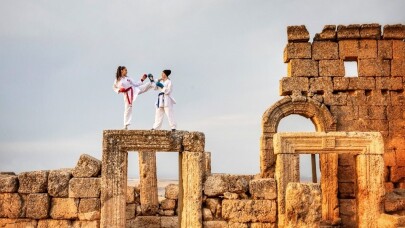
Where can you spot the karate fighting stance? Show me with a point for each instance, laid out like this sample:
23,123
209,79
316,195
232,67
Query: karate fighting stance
130,90
165,101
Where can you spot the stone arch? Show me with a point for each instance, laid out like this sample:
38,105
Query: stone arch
317,112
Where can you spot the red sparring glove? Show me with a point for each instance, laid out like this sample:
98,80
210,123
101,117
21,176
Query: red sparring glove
144,76
122,90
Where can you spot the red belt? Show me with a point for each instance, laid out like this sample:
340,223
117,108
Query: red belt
132,94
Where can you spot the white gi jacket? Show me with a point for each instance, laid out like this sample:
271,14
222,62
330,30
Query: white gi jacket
165,98
126,83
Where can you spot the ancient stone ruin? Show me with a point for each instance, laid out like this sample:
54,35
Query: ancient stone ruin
360,139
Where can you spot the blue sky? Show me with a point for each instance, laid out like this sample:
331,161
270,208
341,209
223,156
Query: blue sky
58,60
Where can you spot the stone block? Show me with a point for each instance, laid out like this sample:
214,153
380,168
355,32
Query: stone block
130,194
348,32
349,50
37,206
302,68
398,67
207,215
389,158
370,31
218,184
398,49
215,224
33,182
397,127
297,51
11,205
328,33
87,166
303,205
249,210
169,222
368,49
172,191
344,113
166,212
373,112
346,174
347,207
8,183
388,83
321,84
130,211
237,225
384,49
263,189
230,195
298,33
374,67
58,183
346,160
376,97
340,83
346,190
397,98
84,187
194,142
362,83
389,221
144,221
86,224
18,223
214,205
395,201
168,204
89,209
397,173
339,98
328,68
395,32
400,157
50,223
325,50
389,187
64,208
290,84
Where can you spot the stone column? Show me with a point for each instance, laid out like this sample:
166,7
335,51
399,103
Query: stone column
287,170
148,183
207,165
113,184
192,175
370,189
329,186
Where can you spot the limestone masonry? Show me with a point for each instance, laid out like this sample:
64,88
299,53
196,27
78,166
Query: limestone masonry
360,138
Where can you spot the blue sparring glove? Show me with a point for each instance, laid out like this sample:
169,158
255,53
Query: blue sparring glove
159,84
150,76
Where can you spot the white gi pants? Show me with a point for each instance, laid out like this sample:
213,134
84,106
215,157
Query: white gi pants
159,117
128,107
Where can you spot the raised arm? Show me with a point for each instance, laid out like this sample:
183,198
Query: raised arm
115,86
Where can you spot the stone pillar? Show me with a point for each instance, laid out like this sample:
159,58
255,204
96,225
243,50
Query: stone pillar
287,170
207,165
370,189
148,183
267,157
191,191
329,186
303,205
113,184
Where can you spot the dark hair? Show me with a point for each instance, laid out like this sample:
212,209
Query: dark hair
118,75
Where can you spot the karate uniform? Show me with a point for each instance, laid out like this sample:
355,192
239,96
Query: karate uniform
164,104
133,89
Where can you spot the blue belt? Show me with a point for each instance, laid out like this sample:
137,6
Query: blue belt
163,99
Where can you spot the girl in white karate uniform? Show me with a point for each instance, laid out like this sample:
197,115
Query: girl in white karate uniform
165,102
130,90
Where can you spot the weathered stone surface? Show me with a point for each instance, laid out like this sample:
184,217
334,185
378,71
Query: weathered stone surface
303,205
325,50
130,194
166,212
297,51
218,184
328,68
214,204
23,223
263,225
348,32
87,166
370,31
84,187
388,221
11,205
8,183
302,68
230,195
168,204
389,83
37,206
346,190
207,214
130,211
194,142
58,183
33,182
397,173
290,84
50,223
396,32
340,83
328,33
64,208
172,191
321,84
89,209
148,183
249,210
398,67
384,49
215,224
349,50
237,225
395,201
398,49
144,221
169,222
297,33
374,67
263,189
86,224
368,49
